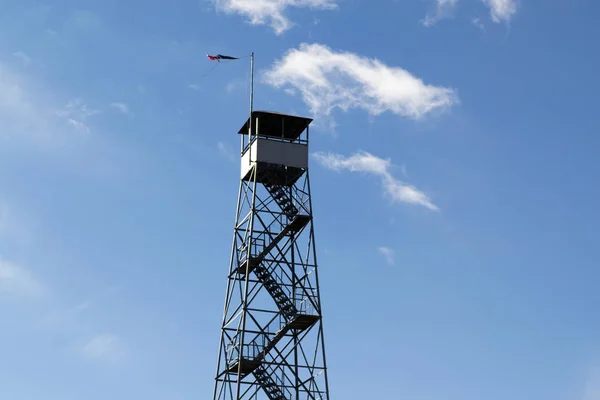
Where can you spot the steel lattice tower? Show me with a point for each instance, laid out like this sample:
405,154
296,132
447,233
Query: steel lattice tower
272,344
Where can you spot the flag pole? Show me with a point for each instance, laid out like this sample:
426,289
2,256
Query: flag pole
251,83
251,108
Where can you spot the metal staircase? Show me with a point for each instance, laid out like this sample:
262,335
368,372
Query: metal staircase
285,305
281,198
270,387
295,223
273,342
293,319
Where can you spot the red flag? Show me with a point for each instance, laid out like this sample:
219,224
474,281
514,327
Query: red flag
220,57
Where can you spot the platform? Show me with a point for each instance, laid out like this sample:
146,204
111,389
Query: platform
275,174
295,225
298,223
300,322
303,321
244,265
247,367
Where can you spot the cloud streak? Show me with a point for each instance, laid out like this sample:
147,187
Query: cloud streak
36,121
15,228
27,115
78,125
443,8
501,10
122,107
106,347
225,151
592,385
76,112
327,79
365,162
16,280
272,12
25,59
388,254
477,23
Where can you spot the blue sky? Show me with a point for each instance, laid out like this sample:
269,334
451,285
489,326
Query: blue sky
453,172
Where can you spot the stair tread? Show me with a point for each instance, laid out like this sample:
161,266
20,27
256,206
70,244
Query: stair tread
271,388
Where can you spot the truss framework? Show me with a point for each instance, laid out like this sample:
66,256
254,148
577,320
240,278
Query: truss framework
272,343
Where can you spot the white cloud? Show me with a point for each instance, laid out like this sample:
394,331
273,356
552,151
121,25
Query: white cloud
327,79
233,86
68,317
194,86
388,254
367,163
75,112
34,118
16,228
4,217
104,347
501,10
77,109
592,386
443,9
225,151
25,59
17,280
78,125
477,22
13,97
272,12
121,107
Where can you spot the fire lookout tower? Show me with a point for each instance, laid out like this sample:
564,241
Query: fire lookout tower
272,344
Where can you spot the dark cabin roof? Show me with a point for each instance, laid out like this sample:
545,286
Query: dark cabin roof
276,125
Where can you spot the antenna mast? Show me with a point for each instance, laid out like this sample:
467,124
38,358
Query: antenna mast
251,102
251,83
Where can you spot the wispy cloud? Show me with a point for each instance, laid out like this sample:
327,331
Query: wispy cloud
78,125
225,151
76,107
272,12
36,118
477,22
388,254
71,318
27,114
194,86
15,228
368,163
443,9
592,386
234,85
106,347
327,79
17,280
501,10
75,112
24,58
122,107
14,99
4,217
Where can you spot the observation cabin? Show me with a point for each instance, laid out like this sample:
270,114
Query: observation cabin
277,146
